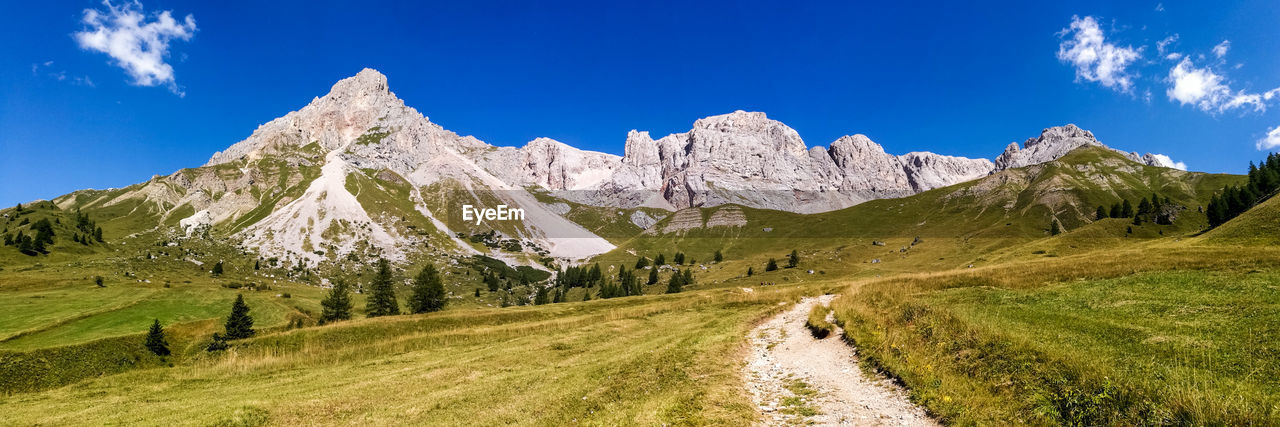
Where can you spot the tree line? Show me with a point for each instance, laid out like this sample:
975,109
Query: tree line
1233,200
1156,209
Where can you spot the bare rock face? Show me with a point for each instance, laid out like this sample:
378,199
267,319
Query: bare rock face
549,164
746,158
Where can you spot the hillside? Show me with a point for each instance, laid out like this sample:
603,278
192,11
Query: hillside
947,227
1259,225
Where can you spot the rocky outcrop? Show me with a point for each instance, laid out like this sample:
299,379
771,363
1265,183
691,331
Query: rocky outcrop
748,159
1056,142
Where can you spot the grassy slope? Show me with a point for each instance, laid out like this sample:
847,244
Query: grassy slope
1089,338
1257,226
648,360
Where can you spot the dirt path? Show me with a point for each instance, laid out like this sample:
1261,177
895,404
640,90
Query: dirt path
797,379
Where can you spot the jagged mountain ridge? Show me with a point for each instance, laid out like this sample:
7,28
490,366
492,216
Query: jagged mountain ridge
287,189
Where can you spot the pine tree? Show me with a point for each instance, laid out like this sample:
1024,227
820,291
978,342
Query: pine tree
541,296
660,260
653,276
255,264
477,292
1101,214
1116,211
1126,209
750,271
98,281
491,280
679,258
382,293
428,291
97,235
217,269
155,340
718,257
642,263
676,282
336,305
1054,228
239,323
794,259
1144,207
595,275
773,265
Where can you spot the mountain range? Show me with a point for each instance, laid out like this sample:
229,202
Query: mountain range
358,171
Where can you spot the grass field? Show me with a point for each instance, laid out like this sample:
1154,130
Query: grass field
647,360
1187,338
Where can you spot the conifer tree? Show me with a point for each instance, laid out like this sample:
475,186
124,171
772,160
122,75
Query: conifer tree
336,305
382,293
676,282
1126,209
595,275
217,269
477,292
794,259
1116,211
773,265
750,271
660,260
642,263
718,256
428,291
1101,214
1144,207
541,296
1054,228
679,258
239,323
155,340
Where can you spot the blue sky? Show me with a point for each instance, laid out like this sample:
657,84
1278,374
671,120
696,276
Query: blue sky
77,111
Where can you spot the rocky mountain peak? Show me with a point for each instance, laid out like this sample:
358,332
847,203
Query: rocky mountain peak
1052,143
367,82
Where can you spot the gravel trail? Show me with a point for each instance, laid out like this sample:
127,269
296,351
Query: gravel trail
797,379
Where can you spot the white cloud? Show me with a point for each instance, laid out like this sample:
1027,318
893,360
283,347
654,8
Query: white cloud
1164,43
136,44
1166,161
1159,7
1207,90
1221,49
1271,141
1094,59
